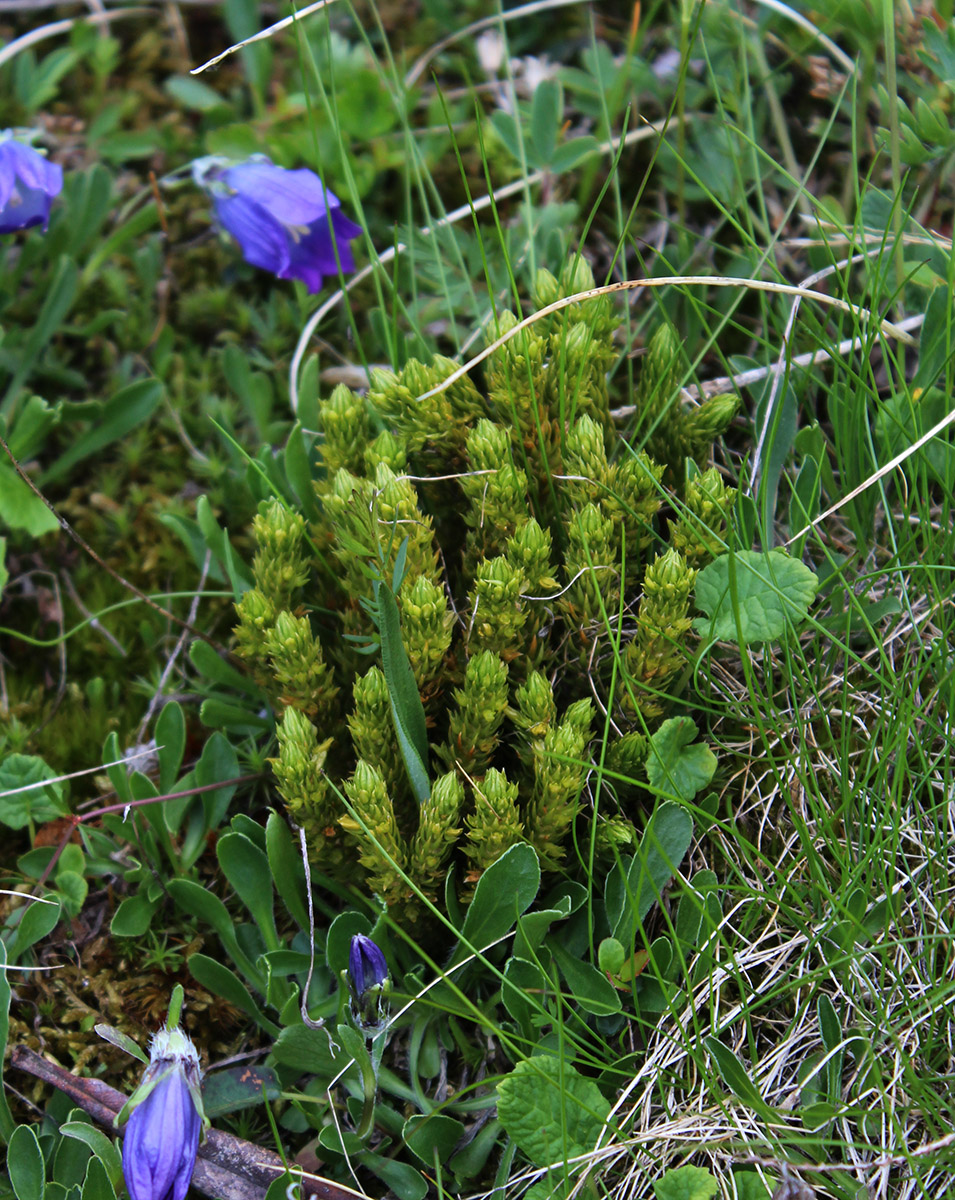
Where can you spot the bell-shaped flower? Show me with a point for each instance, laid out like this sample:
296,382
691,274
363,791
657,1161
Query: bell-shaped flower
162,1136
28,184
366,965
370,984
286,222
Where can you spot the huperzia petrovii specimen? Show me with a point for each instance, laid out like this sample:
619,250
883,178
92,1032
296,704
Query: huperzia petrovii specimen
539,573
28,184
286,222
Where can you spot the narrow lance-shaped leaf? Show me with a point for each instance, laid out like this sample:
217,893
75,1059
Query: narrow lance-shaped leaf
406,707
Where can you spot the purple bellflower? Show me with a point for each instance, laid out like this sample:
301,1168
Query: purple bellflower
366,965
162,1135
370,985
286,222
28,184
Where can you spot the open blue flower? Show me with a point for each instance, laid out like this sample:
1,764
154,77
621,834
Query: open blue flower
28,184
162,1135
286,222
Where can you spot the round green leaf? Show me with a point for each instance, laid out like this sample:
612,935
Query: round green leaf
133,917
19,807
611,956
434,1134
676,765
750,596
686,1183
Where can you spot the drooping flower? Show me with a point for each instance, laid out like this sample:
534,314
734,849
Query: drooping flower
366,965
28,184
286,222
162,1135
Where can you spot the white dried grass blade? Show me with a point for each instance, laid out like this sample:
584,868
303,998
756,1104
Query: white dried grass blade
26,896
29,787
780,368
811,358
937,428
264,34
54,28
888,328
458,214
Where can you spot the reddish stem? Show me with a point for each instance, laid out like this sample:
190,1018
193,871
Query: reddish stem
77,819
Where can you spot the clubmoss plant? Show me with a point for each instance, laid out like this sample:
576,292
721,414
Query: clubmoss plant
513,526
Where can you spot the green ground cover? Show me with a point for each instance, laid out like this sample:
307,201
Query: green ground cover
536,584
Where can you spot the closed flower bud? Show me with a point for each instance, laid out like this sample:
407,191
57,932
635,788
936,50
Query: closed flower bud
367,968
162,1135
370,987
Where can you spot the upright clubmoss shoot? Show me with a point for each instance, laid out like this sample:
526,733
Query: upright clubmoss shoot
533,561
657,651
